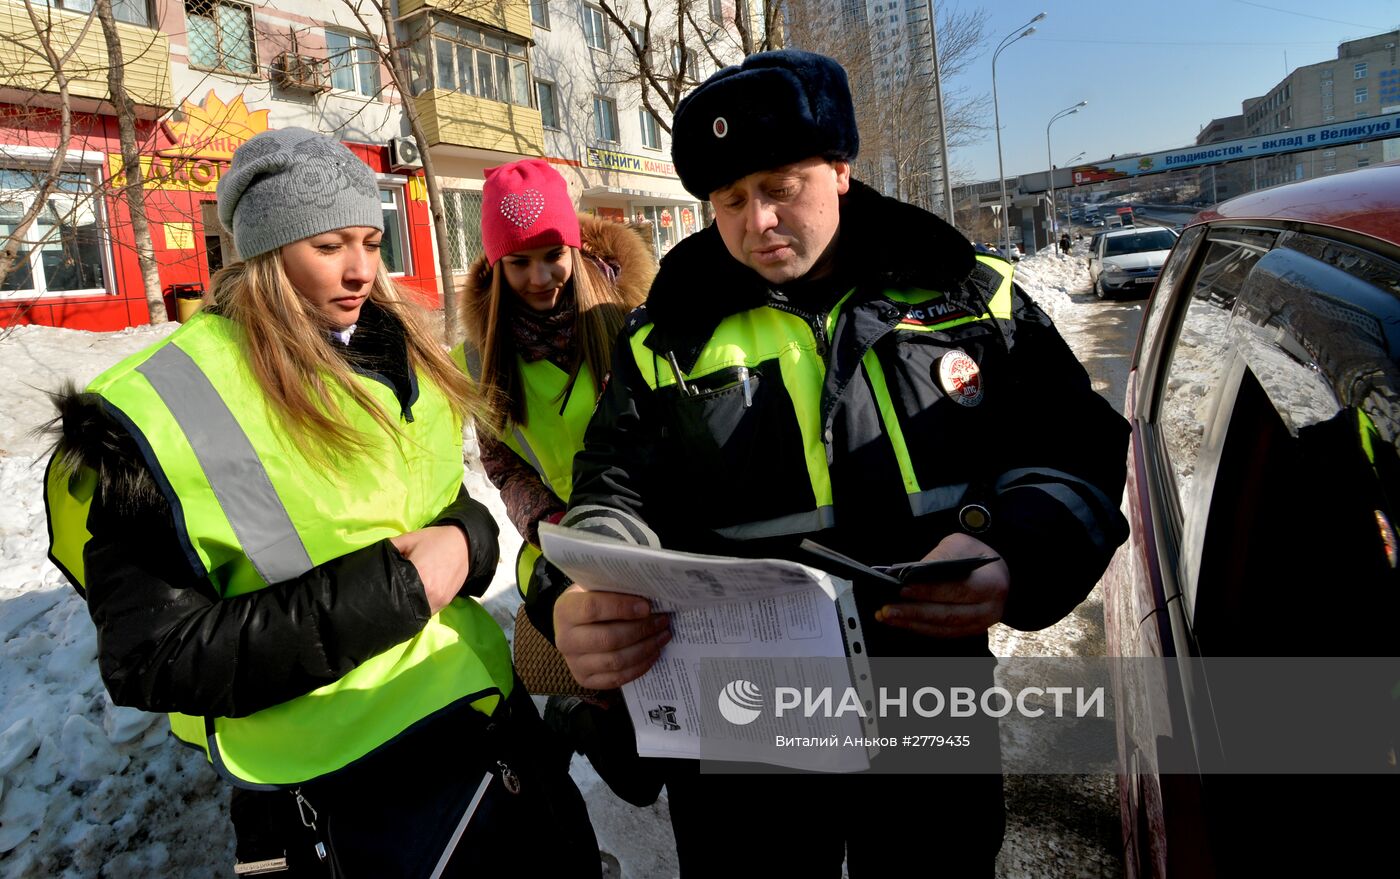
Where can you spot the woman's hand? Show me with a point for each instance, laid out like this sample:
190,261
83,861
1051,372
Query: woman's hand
440,554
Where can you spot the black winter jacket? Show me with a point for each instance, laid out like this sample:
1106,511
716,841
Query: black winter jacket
167,642
1042,451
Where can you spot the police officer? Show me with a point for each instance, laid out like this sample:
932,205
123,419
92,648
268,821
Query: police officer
826,362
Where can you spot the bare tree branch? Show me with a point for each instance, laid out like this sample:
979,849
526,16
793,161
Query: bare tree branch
134,191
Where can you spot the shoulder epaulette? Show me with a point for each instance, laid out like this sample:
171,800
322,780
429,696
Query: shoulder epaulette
636,319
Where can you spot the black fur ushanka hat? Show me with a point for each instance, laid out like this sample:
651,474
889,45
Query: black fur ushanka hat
774,109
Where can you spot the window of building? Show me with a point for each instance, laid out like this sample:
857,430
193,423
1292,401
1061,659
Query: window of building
679,55
221,36
1327,154
1362,94
605,118
539,13
391,246
717,10
475,62
1326,73
1329,166
1362,114
463,227
549,110
1361,147
62,253
651,131
1362,163
354,63
1359,71
595,32
129,11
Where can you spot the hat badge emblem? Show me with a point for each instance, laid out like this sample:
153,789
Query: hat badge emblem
523,208
721,126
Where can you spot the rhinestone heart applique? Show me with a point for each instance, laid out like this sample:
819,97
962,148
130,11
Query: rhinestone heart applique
523,208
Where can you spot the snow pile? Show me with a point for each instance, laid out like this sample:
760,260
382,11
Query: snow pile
1050,276
87,787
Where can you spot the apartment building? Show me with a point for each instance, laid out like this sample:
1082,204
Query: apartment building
1362,81
491,82
1219,182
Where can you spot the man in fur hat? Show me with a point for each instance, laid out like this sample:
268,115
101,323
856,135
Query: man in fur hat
825,362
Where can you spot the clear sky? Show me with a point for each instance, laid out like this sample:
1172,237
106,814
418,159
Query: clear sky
1153,72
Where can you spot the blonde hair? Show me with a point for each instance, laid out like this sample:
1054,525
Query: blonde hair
601,309
286,342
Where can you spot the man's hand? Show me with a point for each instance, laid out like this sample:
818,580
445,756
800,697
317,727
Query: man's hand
442,557
607,638
953,608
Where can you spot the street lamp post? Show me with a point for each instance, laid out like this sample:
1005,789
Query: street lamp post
1050,175
996,110
1067,163
942,118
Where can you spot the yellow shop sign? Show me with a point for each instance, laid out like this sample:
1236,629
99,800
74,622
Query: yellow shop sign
614,161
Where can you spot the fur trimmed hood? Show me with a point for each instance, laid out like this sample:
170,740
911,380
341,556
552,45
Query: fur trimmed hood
87,435
619,246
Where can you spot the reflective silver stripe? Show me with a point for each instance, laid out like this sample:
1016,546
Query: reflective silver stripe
1042,474
611,522
1052,482
452,843
473,358
231,464
936,500
533,459
795,523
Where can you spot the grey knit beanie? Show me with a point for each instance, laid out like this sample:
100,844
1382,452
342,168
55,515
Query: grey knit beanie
290,184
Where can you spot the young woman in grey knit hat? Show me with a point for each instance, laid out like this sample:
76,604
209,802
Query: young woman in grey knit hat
265,512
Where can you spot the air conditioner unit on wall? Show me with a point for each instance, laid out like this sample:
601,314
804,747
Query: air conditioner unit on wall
403,154
305,73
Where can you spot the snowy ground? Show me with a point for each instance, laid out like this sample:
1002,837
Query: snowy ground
89,789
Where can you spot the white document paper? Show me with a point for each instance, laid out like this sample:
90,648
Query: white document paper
725,611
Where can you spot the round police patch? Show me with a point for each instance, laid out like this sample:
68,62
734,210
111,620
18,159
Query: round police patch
960,377
721,126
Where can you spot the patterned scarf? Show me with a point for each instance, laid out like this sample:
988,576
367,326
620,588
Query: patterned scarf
548,334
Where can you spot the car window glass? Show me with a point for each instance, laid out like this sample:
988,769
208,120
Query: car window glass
1305,476
1192,380
1162,293
1139,243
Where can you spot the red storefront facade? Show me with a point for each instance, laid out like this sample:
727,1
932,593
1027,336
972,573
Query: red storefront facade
85,275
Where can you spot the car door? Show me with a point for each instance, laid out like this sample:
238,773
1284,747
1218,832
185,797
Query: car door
1095,257
1266,396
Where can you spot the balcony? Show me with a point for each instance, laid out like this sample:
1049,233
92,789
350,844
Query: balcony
511,16
455,119
145,52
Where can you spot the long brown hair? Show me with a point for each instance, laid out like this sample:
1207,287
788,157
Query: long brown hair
292,359
601,308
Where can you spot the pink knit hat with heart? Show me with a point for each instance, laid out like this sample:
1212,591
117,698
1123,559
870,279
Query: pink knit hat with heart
525,205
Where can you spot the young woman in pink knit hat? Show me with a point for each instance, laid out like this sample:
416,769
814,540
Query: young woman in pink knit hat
542,310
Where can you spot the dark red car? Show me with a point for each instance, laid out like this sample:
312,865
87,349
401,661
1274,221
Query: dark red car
1264,495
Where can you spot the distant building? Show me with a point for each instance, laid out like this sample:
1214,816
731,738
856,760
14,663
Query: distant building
1363,81
1219,182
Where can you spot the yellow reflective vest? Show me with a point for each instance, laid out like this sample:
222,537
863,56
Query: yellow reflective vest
252,511
551,434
